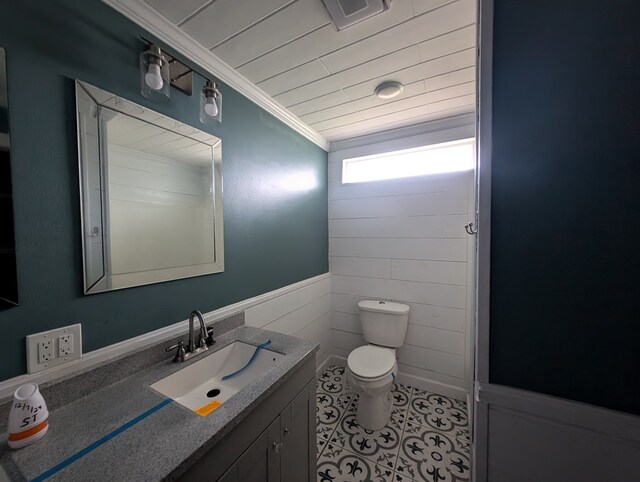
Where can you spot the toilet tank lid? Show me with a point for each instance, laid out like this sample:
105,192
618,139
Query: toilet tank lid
389,307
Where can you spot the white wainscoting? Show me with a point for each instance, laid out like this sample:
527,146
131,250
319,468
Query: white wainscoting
533,437
304,312
404,240
301,309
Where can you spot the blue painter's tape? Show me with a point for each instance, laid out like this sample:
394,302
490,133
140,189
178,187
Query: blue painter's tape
90,448
253,357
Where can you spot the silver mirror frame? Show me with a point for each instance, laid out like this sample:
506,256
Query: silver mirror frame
111,101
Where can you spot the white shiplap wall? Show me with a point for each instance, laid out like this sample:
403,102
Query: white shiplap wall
304,312
404,240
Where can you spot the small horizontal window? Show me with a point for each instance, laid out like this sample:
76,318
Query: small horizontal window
421,161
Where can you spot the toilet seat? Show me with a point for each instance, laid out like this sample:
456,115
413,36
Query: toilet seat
371,362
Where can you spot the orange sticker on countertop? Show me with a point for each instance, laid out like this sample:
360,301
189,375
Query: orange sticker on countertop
208,408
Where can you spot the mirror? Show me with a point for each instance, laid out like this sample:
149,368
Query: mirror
8,279
151,194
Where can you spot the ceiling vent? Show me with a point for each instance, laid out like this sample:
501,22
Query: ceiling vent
345,13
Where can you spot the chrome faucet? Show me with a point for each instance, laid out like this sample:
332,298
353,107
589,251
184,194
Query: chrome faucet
205,340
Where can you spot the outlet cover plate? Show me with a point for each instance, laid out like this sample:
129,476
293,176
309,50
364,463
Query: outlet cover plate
33,364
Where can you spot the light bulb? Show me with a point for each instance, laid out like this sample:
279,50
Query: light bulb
153,78
210,107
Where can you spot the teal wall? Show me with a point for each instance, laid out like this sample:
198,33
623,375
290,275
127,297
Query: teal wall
272,238
565,200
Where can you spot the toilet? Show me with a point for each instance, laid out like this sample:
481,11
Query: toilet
372,368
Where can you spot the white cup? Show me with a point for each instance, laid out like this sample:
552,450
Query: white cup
28,417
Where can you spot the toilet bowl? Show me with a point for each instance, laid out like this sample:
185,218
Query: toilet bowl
371,369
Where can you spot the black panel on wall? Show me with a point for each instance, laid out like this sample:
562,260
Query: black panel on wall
273,237
565,257
8,274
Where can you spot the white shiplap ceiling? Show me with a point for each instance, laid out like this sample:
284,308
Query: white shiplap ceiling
291,51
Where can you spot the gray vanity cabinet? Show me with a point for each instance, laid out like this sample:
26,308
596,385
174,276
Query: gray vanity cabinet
281,453
297,435
260,462
275,442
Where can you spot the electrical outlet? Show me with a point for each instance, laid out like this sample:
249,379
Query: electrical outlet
45,351
54,347
65,345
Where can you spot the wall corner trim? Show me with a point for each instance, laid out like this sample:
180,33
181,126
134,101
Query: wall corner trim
152,21
98,357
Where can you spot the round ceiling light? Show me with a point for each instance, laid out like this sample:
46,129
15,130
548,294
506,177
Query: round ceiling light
389,90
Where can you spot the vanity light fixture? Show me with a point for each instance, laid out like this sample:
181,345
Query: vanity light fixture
210,103
389,90
154,74
160,71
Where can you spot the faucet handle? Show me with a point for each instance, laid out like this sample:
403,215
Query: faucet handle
180,344
209,339
180,354
202,345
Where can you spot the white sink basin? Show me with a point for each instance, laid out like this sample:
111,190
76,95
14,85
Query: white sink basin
200,387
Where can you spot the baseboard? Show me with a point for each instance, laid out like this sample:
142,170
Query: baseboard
432,386
338,360
322,365
98,357
332,360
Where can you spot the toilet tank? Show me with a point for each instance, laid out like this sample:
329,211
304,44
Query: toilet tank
384,323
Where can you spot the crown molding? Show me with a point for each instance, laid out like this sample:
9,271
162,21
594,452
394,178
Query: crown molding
152,21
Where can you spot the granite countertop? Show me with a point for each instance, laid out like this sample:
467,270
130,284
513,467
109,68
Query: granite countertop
162,445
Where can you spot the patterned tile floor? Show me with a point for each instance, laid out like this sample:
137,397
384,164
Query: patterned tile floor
426,440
